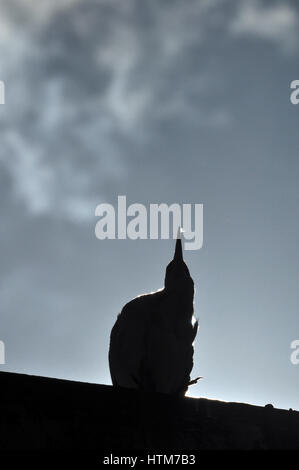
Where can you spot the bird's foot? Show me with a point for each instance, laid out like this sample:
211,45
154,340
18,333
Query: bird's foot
194,381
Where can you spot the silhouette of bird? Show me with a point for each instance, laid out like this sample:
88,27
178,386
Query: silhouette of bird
151,342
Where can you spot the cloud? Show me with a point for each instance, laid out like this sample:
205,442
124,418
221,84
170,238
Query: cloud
87,79
277,22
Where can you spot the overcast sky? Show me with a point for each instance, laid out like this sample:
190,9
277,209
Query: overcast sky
161,101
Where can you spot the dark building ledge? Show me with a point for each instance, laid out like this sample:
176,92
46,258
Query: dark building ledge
44,413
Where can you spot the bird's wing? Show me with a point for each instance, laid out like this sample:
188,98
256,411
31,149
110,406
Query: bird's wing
169,354
127,343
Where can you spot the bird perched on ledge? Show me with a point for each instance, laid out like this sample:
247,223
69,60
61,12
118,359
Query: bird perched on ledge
151,342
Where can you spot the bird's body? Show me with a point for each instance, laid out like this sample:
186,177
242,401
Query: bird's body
151,343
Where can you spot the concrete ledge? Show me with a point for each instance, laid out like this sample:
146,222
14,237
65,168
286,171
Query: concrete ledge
44,413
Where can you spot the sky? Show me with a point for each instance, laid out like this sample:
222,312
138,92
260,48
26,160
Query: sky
161,101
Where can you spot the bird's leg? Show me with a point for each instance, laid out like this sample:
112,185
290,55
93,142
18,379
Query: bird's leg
194,381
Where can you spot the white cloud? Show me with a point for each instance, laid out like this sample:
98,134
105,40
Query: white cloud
276,23
104,76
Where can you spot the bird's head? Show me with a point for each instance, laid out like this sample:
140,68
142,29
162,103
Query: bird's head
177,274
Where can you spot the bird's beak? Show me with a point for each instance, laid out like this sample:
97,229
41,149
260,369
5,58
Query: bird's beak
178,254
